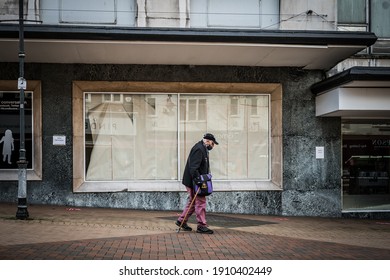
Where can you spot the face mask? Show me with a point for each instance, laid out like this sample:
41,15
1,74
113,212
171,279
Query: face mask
209,147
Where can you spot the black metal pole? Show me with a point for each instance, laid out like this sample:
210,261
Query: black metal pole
22,212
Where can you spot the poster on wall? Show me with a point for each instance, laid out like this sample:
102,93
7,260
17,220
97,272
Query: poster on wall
10,129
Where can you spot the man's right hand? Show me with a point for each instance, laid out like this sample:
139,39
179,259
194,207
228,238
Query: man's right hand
198,180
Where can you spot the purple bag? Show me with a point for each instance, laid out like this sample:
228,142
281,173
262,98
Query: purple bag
205,185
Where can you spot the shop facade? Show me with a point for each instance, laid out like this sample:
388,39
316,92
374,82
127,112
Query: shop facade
308,183
359,96
71,177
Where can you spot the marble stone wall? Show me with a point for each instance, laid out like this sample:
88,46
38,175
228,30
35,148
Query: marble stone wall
311,187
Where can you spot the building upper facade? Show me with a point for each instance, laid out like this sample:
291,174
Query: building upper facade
212,16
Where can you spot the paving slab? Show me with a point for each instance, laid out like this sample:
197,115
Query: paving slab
83,233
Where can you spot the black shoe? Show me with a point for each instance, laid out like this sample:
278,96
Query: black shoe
205,230
185,227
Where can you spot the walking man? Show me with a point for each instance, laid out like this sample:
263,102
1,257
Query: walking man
197,164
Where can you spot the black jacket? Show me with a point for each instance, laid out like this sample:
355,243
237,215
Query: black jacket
197,164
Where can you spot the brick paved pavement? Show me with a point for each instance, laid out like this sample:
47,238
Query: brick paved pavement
62,233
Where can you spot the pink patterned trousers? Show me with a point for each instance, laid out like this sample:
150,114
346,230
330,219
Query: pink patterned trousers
199,207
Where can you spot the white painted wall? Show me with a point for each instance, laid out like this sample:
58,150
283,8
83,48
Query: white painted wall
9,10
353,102
294,14
167,13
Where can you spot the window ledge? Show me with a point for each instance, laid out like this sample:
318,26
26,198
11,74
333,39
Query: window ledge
13,175
173,186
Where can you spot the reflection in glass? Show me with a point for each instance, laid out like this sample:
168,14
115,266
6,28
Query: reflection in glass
366,166
10,129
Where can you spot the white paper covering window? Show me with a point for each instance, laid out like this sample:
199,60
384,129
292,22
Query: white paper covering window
138,136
